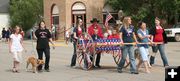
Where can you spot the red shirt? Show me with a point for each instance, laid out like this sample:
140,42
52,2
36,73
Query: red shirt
159,35
91,30
116,36
79,32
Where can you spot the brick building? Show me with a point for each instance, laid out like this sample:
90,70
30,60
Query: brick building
4,14
63,13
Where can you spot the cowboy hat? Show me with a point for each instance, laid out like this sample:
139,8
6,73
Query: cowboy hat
94,20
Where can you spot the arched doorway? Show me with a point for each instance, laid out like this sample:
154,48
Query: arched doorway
79,11
55,21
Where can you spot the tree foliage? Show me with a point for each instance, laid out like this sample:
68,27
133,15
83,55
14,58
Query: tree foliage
25,13
146,10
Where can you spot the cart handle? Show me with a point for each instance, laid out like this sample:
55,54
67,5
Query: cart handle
134,43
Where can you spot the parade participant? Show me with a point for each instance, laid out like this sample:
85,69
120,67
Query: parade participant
16,48
115,34
127,35
143,35
159,35
95,25
43,36
77,32
91,32
98,57
107,33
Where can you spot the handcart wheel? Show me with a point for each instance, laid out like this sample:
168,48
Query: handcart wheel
117,56
84,60
84,56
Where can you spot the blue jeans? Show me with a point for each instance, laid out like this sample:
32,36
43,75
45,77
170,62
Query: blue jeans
161,48
73,59
128,50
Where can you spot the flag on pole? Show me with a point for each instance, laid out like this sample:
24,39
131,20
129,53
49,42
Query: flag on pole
108,17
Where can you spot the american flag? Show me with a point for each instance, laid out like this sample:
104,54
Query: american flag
108,17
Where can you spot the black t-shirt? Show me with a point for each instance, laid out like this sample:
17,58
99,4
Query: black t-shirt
43,36
127,34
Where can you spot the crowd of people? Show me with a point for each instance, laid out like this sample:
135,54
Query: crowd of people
6,34
155,38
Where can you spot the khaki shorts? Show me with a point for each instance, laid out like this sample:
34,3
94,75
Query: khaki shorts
17,56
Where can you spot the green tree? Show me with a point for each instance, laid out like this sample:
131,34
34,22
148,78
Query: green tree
25,13
147,10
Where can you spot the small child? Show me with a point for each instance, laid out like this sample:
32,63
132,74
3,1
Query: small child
16,48
115,34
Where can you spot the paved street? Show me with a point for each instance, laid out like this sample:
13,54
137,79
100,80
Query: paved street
61,71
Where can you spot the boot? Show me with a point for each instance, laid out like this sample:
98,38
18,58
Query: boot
152,58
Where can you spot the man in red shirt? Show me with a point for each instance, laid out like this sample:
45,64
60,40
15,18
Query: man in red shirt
96,30
95,25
